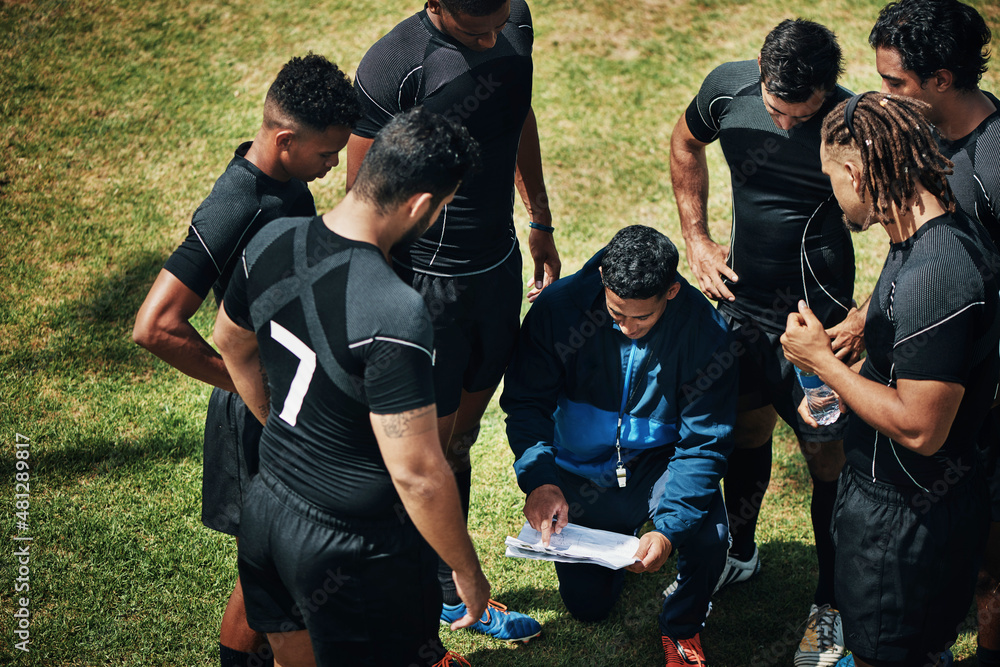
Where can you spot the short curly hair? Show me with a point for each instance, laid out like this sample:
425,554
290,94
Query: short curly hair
639,263
314,92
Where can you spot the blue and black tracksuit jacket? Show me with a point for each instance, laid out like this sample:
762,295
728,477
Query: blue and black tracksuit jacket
576,382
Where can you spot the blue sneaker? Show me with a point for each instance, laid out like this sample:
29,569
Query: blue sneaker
846,661
496,621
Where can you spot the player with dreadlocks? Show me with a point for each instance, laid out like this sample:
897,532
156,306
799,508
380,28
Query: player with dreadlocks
937,51
912,510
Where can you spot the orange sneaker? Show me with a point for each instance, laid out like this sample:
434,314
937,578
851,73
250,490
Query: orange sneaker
451,659
683,652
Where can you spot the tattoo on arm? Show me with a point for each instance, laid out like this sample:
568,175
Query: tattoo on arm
265,408
402,424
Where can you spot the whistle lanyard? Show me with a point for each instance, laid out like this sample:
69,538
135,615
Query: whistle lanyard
620,469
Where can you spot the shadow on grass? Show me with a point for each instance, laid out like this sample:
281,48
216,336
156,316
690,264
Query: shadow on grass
92,333
99,459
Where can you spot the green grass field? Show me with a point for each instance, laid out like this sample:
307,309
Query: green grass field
116,116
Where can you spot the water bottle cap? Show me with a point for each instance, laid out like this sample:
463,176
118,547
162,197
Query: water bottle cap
808,380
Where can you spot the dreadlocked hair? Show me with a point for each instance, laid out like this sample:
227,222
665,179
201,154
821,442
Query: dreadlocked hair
898,150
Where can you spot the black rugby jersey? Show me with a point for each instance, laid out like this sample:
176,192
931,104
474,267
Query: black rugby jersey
490,93
933,315
788,240
340,336
976,179
242,201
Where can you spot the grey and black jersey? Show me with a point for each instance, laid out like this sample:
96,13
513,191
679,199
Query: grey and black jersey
340,336
487,91
933,315
243,200
976,179
788,239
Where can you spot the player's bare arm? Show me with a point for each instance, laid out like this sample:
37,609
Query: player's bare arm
242,356
530,182
412,452
916,414
163,327
689,177
357,148
408,423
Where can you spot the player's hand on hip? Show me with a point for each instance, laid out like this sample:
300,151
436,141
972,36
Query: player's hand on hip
707,260
547,511
474,590
547,266
654,550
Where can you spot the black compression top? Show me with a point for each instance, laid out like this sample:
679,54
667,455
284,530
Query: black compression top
933,315
242,201
976,180
490,93
341,336
788,239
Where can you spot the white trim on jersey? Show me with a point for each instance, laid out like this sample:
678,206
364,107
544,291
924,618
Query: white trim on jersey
237,245
986,195
892,445
804,260
386,339
710,121
460,275
207,251
399,93
444,228
362,87
937,324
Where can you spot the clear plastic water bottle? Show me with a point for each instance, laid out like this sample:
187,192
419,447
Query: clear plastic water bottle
824,405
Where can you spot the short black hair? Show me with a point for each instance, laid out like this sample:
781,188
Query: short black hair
798,58
935,34
417,151
312,91
639,263
472,7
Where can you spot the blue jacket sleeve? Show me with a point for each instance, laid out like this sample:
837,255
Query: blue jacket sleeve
707,415
532,385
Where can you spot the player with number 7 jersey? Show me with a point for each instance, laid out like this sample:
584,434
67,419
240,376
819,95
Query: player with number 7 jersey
334,353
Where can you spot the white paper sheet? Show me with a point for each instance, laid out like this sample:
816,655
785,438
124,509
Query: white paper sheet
576,544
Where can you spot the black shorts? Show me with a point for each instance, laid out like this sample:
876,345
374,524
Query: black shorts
476,320
767,378
367,591
231,458
906,564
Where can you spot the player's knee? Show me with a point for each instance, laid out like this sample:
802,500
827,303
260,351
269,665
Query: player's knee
586,607
753,429
987,583
825,459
